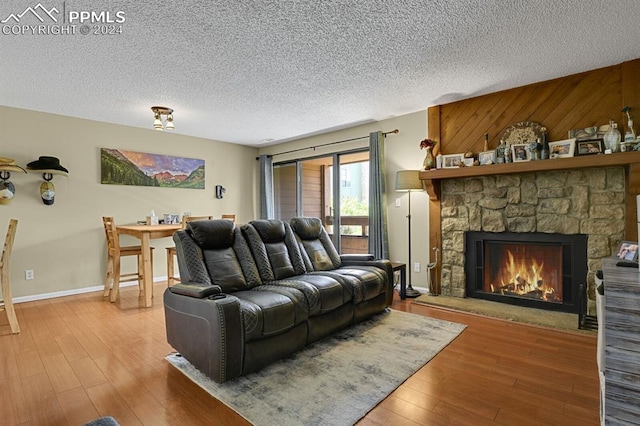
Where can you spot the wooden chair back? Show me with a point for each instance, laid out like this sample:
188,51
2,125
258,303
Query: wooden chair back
113,242
186,219
5,260
231,217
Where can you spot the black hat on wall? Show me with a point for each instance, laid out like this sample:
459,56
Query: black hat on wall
48,164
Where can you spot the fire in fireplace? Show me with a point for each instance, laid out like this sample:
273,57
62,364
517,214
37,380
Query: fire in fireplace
524,270
528,269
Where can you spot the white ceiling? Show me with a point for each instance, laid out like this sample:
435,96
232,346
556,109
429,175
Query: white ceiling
248,71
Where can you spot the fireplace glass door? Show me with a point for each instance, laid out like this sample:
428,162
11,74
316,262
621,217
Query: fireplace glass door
526,270
531,269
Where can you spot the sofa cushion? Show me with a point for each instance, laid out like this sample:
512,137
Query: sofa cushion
371,280
318,252
270,231
225,270
349,282
212,234
266,312
307,228
275,250
208,258
322,293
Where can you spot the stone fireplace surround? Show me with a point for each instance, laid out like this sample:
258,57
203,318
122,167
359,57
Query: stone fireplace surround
588,201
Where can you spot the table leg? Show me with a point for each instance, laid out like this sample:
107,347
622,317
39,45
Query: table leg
403,283
147,279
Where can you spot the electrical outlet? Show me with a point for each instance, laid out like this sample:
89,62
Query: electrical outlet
28,274
416,267
397,202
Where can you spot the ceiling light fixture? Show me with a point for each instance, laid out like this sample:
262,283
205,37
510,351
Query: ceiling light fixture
158,112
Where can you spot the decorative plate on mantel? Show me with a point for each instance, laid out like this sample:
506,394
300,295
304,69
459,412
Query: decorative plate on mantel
523,132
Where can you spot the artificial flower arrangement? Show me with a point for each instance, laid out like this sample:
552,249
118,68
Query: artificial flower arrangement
427,143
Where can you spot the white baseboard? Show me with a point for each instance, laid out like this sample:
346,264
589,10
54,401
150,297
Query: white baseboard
75,291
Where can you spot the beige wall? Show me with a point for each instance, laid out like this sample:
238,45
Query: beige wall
64,243
402,153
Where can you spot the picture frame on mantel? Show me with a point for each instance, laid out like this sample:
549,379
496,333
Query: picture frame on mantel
589,146
487,157
452,161
520,152
562,149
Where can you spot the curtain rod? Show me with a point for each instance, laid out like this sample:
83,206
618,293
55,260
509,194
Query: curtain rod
395,131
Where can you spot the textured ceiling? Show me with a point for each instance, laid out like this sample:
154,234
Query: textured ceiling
251,71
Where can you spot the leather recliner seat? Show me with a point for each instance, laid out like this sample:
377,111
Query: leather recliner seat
253,295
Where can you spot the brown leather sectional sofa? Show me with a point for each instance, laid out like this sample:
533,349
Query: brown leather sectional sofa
252,295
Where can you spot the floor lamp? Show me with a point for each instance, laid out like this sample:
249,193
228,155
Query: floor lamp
409,181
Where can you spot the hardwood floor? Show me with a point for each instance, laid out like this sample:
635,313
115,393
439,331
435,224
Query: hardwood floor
80,357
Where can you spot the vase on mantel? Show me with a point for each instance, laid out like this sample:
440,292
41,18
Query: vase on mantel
429,160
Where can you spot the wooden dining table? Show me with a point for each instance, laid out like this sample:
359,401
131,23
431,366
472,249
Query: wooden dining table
146,233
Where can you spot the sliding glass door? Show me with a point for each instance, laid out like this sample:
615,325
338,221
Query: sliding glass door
333,188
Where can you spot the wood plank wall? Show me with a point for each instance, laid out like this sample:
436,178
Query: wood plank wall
312,189
577,101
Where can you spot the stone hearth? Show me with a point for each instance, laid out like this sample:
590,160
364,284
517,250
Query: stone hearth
585,201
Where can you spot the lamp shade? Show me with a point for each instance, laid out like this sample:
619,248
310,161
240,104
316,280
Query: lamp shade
409,180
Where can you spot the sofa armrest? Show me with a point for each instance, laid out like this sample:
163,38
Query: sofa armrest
197,290
355,257
207,332
383,264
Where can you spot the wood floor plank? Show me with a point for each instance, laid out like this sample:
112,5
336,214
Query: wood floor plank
77,406
44,408
71,347
82,356
108,402
88,372
13,404
60,373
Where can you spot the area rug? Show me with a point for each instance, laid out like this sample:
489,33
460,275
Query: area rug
337,380
541,317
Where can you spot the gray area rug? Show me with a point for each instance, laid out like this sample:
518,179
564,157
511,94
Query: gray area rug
337,380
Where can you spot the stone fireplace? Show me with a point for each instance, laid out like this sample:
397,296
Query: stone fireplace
588,201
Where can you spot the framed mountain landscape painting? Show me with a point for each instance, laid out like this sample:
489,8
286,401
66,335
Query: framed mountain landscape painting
120,167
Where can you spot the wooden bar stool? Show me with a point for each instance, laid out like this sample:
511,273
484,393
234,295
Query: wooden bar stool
172,278
114,253
7,301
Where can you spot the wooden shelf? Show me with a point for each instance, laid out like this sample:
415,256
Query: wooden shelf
432,178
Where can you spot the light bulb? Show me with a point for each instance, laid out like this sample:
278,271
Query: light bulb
157,123
170,125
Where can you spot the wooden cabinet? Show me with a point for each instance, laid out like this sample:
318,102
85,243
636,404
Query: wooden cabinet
622,344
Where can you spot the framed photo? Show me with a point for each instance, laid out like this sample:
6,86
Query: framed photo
519,152
589,146
452,161
627,250
487,157
582,134
562,149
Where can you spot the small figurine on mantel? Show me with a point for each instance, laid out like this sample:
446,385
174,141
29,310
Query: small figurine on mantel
500,152
486,142
507,153
544,150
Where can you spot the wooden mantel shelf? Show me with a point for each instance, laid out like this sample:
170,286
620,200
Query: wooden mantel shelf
432,178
